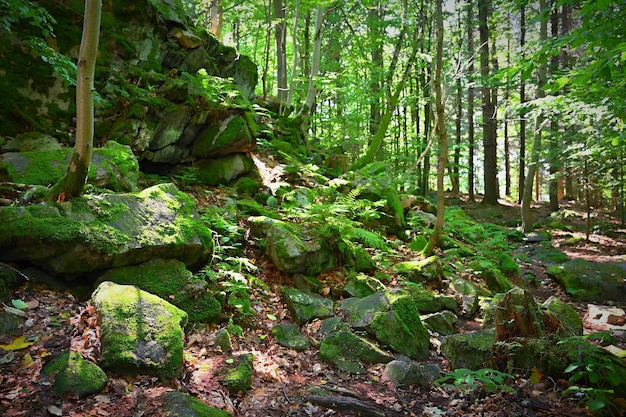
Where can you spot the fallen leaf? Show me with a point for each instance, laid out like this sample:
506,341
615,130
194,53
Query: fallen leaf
8,358
32,304
54,410
19,304
15,311
27,361
17,344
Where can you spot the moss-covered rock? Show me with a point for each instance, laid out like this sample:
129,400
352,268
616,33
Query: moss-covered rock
289,336
74,375
247,186
420,271
361,285
441,322
286,246
547,255
470,350
231,135
305,306
113,167
591,281
180,404
570,321
96,232
428,302
237,376
402,372
140,332
170,280
351,353
221,171
392,318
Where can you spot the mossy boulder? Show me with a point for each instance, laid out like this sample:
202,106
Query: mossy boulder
289,336
113,167
392,318
221,171
180,404
429,302
441,322
547,255
293,250
350,352
402,372
230,135
75,375
591,281
471,350
140,332
570,321
170,280
361,285
421,271
237,377
518,315
97,232
305,306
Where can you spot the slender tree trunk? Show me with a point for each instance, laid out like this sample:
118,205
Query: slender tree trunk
553,181
488,109
507,145
216,19
280,33
73,182
522,98
294,66
375,19
443,142
266,66
470,103
527,218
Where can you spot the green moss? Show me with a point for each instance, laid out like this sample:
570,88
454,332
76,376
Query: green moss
179,404
130,341
170,280
428,302
238,378
469,350
247,186
217,137
75,375
350,352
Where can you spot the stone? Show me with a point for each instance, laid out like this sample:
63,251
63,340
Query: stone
170,280
518,315
289,336
591,281
403,372
221,171
180,404
140,332
305,306
441,322
428,270
301,197
547,255
361,285
292,253
10,325
306,283
75,376
428,302
237,376
97,232
350,352
113,167
231,135
392,318
570,321
31,141
471,350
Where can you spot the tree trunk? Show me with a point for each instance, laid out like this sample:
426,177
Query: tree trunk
376,44
522,98
443,141
294,66
216,19
470,104
73,182
527,218
555,169
488,109
280,34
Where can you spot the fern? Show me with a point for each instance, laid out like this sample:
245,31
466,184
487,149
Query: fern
370,238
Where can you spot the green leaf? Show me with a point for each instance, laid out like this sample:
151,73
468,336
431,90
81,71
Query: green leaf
272,317
595,404
229,361
19,304
571,368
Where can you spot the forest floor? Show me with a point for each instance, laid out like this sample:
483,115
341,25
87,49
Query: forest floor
283,380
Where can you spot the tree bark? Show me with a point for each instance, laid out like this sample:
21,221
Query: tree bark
470,105
443,140
73,182
522,98
527,218
281,51
488,110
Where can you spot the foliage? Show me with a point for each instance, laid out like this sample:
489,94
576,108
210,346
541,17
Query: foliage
600,372
467,380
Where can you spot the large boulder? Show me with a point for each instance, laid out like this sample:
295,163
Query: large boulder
140,332
591,281
170,280
224,169
392,318
97,232
471,350
180,404
305,306
113,167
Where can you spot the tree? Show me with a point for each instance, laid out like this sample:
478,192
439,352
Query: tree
488,109
72,183
527,218
470,103
280,34
443,141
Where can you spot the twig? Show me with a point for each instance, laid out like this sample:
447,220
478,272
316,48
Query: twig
345,404
285,393
17,271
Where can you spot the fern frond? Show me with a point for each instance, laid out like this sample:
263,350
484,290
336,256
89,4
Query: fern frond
371,239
